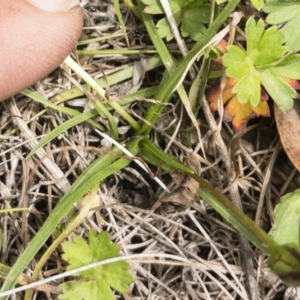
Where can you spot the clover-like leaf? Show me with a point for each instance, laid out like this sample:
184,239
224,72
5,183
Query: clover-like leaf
96,283
235,62
286,228
241,67
258,4
153,7
164,29
190,15
281,92
266,62
286,11
264,47
252,93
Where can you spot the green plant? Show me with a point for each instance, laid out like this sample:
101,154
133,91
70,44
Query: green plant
95,283
104,166
267,64
268,61
287,12
189,15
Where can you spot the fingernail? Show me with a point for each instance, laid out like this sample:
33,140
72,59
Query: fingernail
55,5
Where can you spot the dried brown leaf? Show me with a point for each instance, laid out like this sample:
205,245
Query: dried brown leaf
288,125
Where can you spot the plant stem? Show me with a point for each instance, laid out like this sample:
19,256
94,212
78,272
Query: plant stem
234,216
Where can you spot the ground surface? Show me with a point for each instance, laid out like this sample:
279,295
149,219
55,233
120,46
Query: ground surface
210,260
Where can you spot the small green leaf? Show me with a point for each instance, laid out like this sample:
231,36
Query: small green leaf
286,11
291,29
254,32
189,15
286,219
281,92
235,62
258,4
153,7
176,5
281,11
187,27
270,47
264,47
192,17
164,30
266,62
95,283
248,89
288,68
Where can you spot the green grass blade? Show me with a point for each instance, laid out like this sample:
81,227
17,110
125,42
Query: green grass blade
62,128
81,117
149,152
133,8
170,65
118,52
120,19
241,222
69,111
98,105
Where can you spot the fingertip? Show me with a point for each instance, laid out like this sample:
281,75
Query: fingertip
34,41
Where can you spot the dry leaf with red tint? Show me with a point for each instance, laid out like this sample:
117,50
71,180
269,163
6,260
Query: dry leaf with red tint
213,94
288,125
262,109
238,113
221,48
293,83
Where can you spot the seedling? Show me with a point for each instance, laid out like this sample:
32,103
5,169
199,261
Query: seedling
266,65
95,283
190,15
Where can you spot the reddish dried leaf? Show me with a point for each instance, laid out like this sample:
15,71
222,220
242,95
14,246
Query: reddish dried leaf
222,46
288,125
214,94
235,111
262,109
239,113
293,83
